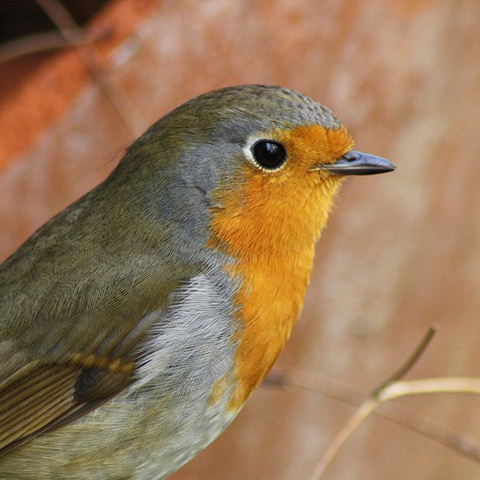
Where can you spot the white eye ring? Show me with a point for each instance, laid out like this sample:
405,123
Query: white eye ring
268,155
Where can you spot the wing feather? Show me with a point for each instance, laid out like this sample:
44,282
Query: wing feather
46,393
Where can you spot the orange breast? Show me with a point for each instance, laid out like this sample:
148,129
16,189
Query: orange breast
270,225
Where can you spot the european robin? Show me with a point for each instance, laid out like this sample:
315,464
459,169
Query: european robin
135,323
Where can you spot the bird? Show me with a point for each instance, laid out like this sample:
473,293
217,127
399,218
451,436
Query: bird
135,323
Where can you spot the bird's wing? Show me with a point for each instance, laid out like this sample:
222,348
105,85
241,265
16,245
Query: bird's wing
43,397
52,368
72,320
53,375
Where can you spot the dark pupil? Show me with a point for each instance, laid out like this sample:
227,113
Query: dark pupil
269,154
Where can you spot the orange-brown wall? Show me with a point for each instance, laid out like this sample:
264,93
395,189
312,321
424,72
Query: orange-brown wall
401,250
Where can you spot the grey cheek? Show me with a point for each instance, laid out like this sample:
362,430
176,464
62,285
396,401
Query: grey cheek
202,169
209,166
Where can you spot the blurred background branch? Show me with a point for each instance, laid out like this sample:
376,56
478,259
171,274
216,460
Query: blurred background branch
394,388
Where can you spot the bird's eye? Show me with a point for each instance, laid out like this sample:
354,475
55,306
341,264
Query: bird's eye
269,155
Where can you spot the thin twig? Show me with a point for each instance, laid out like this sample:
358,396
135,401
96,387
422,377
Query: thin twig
411,361
43,42
460,443
67,26
364,411
430,386
40,42
393,388
367,408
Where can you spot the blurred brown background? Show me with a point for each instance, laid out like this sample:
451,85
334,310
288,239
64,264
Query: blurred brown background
401,251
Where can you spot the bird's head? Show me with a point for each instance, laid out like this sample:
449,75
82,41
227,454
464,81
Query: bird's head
268,162
257,166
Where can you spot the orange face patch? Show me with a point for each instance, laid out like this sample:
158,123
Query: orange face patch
270,224
314,144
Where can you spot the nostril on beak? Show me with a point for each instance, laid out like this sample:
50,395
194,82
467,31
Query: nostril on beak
350,156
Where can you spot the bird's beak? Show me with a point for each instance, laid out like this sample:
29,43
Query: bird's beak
357,163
